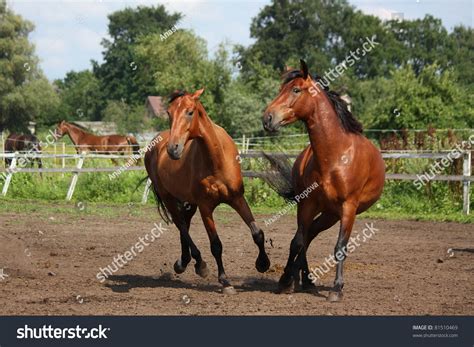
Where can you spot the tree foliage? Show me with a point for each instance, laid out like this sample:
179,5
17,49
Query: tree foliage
25,94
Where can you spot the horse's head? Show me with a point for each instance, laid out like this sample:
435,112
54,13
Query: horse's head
292,103
62,129
183,112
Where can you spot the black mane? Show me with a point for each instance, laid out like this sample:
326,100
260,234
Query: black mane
348,121
176,94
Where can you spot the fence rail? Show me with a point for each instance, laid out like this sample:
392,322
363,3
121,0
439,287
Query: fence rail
6,174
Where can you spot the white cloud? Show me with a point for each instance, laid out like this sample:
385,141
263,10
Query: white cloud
381,12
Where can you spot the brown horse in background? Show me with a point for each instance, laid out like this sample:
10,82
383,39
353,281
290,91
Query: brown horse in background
347,167
196,165
23,143
107,144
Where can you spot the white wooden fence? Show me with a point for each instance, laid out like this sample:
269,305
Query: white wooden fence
6,174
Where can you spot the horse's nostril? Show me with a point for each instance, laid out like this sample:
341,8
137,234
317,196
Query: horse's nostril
270,117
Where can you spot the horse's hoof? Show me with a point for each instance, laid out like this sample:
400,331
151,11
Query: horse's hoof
286,285
263,263
178,268
334,296
201,269
307,285
229,290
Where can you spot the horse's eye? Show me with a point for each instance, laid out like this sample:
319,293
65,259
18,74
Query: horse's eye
190,113
296,90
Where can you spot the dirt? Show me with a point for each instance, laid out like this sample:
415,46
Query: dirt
50,264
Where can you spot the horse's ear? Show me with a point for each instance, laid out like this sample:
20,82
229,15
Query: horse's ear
287,68
197,93
304,68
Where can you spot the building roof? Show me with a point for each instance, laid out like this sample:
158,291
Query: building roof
101,128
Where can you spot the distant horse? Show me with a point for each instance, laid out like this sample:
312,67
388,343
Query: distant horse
347,167
23,143
108,144
196,165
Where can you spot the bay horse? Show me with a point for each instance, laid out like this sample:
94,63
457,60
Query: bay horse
347,167
23,143
196,166
86,142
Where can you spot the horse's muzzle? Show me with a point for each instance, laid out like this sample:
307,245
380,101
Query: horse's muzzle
175,150
268,122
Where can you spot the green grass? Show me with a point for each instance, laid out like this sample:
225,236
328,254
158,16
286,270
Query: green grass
101,196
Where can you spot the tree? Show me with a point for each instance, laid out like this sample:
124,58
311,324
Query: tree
462,55
117,74
410,101
128,118
81,96
181,62
25,94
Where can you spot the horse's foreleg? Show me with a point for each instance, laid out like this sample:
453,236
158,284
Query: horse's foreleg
340,251
216,247
240,205
182,220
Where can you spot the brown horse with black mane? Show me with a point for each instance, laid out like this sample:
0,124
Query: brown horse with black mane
347,167
23,143
107,144
196,165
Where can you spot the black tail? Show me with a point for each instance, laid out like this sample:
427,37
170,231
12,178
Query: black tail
161,206
134,144
162,210
280,177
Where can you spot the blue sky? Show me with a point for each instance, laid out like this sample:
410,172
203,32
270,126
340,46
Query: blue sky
68,33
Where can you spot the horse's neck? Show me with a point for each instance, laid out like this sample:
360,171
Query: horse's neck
211,141
75,134
327,137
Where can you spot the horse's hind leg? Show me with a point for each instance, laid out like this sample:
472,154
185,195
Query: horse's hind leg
240,205
306,213
216,247
321,223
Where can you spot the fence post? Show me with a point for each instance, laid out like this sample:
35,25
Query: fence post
63,160
8,179
75,176
466,185
146,191
3,144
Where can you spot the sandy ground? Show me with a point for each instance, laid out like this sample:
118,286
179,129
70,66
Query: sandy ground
50,264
